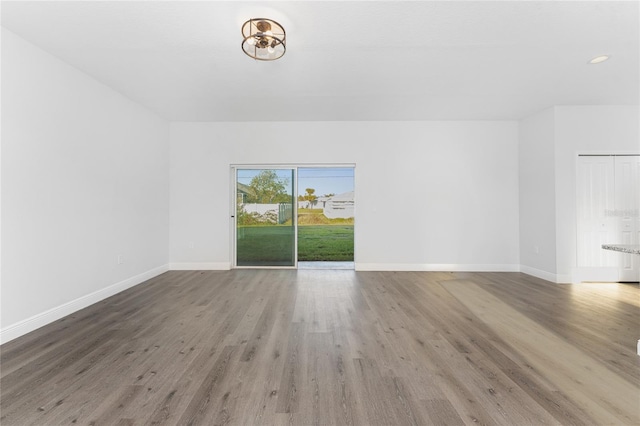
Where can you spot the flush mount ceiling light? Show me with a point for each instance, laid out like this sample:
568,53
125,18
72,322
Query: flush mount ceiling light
263,39
599,59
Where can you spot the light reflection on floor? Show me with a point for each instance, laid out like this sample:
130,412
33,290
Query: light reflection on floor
326,265
585,290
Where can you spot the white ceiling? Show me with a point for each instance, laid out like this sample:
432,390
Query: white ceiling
362,60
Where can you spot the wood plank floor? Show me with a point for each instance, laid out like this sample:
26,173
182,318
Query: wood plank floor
326,347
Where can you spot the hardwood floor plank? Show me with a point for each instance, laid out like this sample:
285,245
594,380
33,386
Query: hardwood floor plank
579,313
114,408
405,405
370,386
322,347
502,402
33,376
206,399
441,412
457,392
605,396
292,376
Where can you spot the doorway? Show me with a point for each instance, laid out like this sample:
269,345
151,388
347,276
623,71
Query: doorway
293,216
326,217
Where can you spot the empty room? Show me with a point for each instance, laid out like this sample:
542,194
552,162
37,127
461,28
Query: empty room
320,213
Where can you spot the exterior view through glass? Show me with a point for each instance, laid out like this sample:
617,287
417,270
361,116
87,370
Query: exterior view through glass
265,225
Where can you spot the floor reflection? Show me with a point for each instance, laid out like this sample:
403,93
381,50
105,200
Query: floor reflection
326,265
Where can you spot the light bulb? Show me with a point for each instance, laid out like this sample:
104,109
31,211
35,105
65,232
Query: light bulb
599,59
251,41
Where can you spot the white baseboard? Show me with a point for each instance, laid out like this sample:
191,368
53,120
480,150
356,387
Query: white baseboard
563,279
538,273
547,276
436,267
204,266
25,326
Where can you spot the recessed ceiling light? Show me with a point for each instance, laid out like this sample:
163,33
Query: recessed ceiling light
599,59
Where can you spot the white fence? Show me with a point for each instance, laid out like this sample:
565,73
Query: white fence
259,208
282,210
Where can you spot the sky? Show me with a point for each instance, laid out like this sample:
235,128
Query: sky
325,180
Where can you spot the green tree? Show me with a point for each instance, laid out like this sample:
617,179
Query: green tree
268,188
310,196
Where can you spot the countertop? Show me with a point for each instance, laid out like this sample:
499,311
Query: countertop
623,248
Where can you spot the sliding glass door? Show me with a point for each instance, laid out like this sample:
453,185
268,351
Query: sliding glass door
265,217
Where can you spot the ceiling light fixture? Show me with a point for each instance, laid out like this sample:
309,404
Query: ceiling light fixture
263,39
599,59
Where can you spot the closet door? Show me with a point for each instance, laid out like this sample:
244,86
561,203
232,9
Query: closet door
597,224
627,202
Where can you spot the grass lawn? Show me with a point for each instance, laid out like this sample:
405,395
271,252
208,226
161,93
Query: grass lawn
328,243
272,245
317,217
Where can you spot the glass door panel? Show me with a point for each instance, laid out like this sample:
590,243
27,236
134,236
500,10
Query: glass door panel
265,217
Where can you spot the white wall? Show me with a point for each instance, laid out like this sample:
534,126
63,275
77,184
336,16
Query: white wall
538,195
84,179
585,130
550,143
429,195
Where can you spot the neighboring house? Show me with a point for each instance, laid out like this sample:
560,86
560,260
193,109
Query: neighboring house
318,203
340,206
243,191
306,204
321,202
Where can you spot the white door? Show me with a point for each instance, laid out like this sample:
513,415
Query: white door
627,202
608,200
596,224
